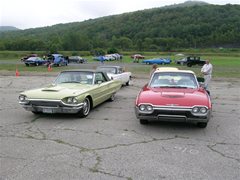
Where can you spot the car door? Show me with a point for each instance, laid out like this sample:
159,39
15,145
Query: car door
101,91
123,75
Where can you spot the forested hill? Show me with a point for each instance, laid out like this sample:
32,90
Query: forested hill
151,29
8,28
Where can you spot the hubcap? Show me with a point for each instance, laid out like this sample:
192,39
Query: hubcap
86,107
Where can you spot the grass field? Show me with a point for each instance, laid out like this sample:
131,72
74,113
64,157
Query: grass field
225,64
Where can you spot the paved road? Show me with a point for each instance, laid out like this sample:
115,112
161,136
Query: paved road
111,144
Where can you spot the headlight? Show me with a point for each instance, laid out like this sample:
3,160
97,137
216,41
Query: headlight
195,110
23,99
199,110
147,108
203,110
142,107
72,100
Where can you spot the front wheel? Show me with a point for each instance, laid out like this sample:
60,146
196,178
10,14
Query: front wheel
86,108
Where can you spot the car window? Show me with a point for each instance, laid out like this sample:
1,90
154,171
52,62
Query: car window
173,79
75,77
120,70
99,78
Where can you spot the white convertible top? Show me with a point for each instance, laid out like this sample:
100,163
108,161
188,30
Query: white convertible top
172,69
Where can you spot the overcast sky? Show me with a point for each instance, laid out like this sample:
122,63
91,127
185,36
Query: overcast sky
26,14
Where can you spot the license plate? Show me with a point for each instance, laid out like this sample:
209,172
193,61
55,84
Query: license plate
47,111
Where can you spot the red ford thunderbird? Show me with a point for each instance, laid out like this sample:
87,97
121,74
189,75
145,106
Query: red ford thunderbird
173,95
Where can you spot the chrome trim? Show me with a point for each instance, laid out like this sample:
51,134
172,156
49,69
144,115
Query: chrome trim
73,105
70,110
145,112
47,100
52,100
174,108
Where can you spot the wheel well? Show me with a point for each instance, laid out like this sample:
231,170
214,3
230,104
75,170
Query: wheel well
91,101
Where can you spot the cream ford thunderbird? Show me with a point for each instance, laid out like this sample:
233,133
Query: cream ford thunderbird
73,91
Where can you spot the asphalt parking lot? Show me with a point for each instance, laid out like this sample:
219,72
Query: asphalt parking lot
111,144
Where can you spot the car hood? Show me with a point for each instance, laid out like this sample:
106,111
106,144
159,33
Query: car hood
173,97
58,92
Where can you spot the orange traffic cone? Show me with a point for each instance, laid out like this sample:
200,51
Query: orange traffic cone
17,73
49,67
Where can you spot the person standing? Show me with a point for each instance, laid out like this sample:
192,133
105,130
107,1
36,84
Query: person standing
154,67
207,73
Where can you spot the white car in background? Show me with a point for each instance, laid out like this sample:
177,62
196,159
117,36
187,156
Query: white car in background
109,57
117,73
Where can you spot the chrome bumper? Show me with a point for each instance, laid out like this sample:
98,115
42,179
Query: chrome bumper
172,118
51,110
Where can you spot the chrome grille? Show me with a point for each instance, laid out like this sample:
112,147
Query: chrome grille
45,103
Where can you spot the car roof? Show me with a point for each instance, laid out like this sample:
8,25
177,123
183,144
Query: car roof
172,69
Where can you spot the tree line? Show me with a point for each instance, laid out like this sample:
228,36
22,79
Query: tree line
157,29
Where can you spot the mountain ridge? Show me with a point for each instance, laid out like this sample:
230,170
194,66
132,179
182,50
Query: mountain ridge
151,29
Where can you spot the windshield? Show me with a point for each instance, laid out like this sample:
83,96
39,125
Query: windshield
173,80
75,77
111,70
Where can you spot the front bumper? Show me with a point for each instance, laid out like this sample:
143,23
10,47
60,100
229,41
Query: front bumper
172,115
50,107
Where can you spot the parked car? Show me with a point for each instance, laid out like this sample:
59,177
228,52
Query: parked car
100,58
136,57
116,73
157,61
173,95
36,61
190,61
57,60
76,59
28,56
181,61
73,92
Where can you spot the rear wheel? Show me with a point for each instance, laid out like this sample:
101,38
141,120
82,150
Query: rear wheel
202,125
86,108
143,121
